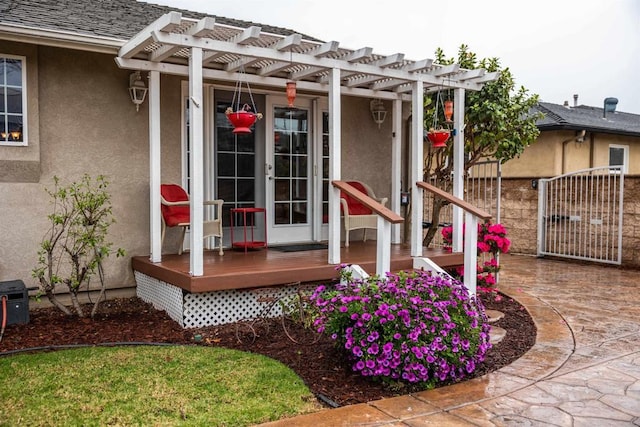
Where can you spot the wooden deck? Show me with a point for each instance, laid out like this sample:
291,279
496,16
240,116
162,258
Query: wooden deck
270,267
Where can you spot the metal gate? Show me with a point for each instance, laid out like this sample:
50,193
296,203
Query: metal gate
482,188
580,215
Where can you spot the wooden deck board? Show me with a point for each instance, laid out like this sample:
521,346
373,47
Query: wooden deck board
270,267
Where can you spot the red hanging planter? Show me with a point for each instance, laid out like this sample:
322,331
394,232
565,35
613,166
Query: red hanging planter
243,119
438,137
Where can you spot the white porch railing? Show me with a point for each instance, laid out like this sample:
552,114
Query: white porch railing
472,214
386,217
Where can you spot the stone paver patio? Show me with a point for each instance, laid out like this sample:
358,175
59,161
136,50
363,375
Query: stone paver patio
584,369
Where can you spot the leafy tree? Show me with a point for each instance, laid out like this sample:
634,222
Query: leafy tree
499,125
75,245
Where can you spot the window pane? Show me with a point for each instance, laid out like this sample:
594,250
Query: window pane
283,189
2,69
300,143
299,213
2,97
299,189
246,190
227,190
3,129
246,165
282,165
299,166
226,164
282,142
14,100
14,126
616,156
226,140
246,143
282,214
14,72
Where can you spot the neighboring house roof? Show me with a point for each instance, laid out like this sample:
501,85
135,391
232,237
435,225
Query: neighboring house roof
584,117
115,19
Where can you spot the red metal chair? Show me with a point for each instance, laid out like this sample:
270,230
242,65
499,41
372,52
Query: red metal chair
176,213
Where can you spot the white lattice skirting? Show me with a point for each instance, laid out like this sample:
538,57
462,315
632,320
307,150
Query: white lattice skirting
213,308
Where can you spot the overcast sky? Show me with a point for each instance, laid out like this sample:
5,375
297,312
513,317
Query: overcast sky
555,48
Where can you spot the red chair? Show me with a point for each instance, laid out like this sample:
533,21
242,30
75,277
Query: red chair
176,213
356,215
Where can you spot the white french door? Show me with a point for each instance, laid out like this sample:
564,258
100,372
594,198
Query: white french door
289,179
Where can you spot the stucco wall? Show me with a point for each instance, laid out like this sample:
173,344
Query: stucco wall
557,152
87,124
520,214
366,150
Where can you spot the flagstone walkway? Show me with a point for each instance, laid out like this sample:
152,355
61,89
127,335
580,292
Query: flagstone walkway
584,369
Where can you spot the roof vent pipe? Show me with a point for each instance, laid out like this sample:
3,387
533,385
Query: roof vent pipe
609,106
575,99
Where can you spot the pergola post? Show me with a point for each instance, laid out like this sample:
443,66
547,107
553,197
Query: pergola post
458,168
417,136
396,165
155,223
197,181
334,165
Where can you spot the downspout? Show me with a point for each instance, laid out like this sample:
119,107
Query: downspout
592,140
405,178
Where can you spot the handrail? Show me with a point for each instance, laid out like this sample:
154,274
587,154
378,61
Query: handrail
385,217
482,214
372,204
470,242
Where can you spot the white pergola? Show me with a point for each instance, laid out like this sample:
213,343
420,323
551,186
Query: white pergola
202,49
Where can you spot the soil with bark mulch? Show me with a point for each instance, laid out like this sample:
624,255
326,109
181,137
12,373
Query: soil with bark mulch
314,359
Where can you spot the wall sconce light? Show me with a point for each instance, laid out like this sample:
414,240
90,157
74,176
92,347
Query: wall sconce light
137,89
378,111
16,134
3,136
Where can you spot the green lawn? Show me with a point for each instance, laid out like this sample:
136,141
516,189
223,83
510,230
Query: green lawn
148,386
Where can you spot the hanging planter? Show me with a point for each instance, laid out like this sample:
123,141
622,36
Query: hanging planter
437,134
438,137
243,119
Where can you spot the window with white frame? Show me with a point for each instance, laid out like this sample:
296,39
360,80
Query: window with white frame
13,100
619,156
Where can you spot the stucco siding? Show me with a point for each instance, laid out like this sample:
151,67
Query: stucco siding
88,124
557,152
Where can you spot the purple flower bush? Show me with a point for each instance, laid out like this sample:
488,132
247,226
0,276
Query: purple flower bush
412,327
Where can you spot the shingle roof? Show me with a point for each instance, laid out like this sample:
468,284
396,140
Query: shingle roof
588,118
119,19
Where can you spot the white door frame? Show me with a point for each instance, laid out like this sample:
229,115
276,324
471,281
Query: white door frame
291,233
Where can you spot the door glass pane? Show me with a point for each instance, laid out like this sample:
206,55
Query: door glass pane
282,213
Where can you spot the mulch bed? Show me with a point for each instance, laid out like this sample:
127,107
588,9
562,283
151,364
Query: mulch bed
315,360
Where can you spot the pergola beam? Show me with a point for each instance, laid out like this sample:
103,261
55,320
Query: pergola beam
141,40
201,28
302,59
